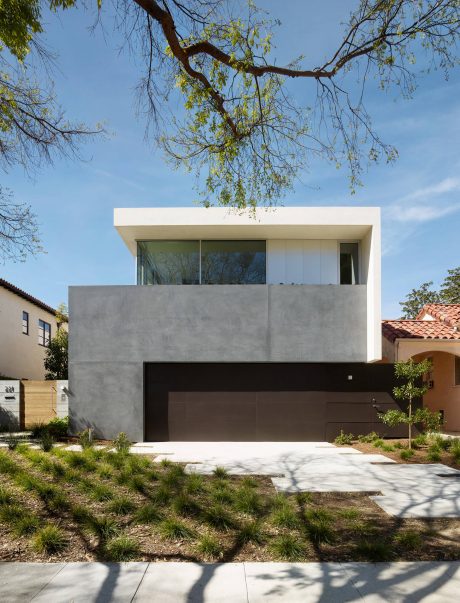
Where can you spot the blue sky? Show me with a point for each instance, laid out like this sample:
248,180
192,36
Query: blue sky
74,200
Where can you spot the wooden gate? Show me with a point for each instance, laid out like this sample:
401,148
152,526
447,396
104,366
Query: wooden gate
38,402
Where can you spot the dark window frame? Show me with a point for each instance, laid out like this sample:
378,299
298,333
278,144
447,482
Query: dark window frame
348,242
42,339
457,371
25,322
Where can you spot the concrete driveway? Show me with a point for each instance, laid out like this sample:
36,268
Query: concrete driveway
412,490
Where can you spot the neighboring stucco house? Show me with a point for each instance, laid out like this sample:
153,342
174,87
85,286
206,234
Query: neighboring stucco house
433,334
27,325
239,328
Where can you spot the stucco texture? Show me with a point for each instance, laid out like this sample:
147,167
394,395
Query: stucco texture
115,330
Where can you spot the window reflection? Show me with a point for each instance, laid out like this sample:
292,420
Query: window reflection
232,262
168,262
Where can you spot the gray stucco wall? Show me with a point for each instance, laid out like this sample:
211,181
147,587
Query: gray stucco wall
114,330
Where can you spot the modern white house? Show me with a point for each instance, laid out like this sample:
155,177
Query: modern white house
240,326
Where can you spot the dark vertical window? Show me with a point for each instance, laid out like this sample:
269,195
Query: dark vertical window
25,323
168,262
233,262
349,263
457,370
44,333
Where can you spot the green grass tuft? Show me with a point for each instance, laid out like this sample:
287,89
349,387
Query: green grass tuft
406,454
217,516
209,547
101,493
434,454
251,532
285,517
149,513
409,540
103,527
220,472
194,483
50,539
121,506
5,496
288,547
375,550
26,525
121,548
183,504
247,500
174,529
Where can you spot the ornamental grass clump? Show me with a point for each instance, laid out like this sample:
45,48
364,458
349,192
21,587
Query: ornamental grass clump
218,517
122,444
209,547
374,550
288,547
285,517
121,548
121,506
175,529
50,539
251,532
148,514
247,500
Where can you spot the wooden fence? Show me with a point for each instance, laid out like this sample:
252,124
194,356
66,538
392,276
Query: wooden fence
38,402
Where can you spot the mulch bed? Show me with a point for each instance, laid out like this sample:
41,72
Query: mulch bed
328,526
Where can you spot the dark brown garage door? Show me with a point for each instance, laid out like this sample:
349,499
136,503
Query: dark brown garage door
263,402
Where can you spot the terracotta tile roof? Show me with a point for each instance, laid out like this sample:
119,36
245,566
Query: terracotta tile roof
24,295
418,329
448,313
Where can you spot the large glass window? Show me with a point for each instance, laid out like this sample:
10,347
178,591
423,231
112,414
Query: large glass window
206,262
168,262
349,263
232,262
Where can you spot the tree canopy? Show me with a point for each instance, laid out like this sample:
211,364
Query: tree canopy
241,130
449,293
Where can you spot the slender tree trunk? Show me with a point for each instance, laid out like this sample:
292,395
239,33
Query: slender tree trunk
410,422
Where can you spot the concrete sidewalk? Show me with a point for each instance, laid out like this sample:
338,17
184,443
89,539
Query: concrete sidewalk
230,582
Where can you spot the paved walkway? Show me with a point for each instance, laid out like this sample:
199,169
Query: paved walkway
403,582
412,490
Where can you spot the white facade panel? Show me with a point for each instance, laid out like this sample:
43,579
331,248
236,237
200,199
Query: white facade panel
329,262
276,261
312,262
294,262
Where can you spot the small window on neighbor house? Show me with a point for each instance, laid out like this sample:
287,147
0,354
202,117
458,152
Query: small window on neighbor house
25,323
44,333
349,263
457,370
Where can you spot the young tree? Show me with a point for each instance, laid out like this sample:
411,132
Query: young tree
450,289
243,130
411,372
417,298
56,356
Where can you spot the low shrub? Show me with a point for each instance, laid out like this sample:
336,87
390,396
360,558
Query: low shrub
50,539
378,443
174,529
58,427
440,442
85,439
455,450
368,438
209,547
37,429
121,548
406,454
46,441
344,439
387,448
420,441
434,454
121,443
288,547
